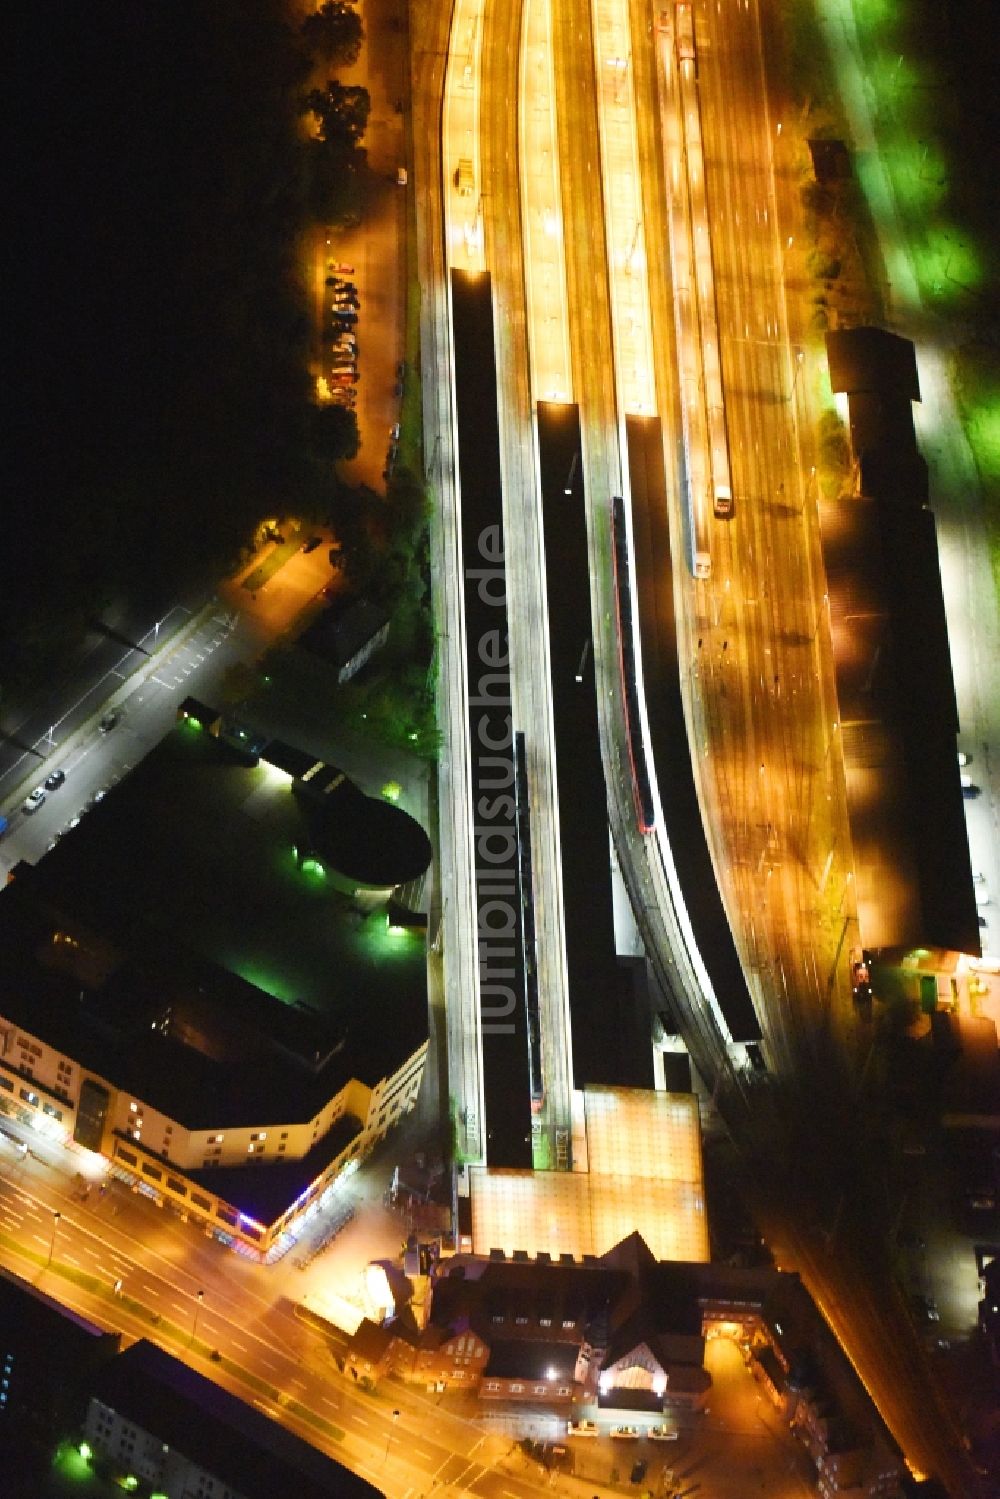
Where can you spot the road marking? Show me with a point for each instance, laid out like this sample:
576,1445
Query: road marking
72,1259
39,1238
241,1346
360,1421
179,1307
325,1401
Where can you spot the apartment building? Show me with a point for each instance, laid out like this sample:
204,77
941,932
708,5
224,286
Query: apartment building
232,1041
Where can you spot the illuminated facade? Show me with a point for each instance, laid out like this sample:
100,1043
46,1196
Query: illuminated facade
174,1163
225,1018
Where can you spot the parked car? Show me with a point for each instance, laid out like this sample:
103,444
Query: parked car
926,1308
625,1433
34,799
339,267
969,789
663,1433
312,543
54,780
581,1428
110,721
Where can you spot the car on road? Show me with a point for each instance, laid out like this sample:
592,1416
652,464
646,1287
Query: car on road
969,788
34,799
312,543
963,758
581,1428
663,1433
54,780
394,432
110,721
723,505
339,268
861,985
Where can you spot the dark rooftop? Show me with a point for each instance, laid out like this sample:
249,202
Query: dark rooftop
866,359
224,1435
343,630
895,682
519,1358
264,1192
195,941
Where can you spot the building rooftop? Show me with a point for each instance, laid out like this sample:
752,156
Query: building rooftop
645,1174
895,682
344,629
172,943
520,1359
225,1436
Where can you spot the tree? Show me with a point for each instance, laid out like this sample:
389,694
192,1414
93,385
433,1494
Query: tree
334,32
333,433
335,182
342,110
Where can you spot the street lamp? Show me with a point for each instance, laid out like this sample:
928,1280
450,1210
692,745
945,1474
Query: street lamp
799,358
199,1302
56,1215
388,1440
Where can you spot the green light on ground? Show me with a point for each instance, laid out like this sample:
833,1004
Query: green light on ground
875,15
392,791
85,1451
948,266
396,931
71,1465
412,737
983,422
130,1482
918,175
313,867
